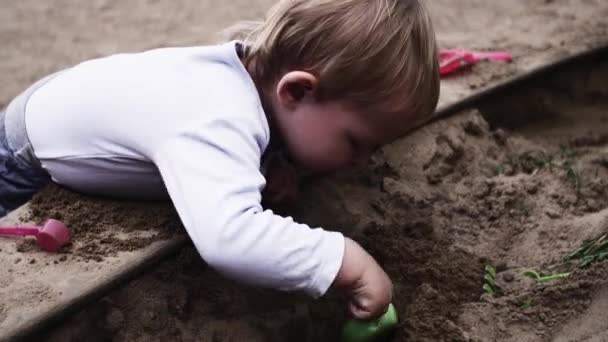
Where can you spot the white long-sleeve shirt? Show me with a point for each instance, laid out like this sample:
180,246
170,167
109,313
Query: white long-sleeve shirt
187,122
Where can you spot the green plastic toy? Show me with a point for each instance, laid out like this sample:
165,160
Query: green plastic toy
367,331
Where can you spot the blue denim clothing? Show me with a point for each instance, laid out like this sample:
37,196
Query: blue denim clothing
19,179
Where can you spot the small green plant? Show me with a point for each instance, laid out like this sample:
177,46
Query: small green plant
536,160
522,208
566,152
527,304
499,169
567,155
489,281
533,160
530,161
574,179
546,277
593,250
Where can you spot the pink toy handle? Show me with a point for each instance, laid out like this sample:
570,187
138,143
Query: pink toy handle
452,60
448,53
493,56
19,231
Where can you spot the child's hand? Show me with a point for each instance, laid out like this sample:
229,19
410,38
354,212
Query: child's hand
368,287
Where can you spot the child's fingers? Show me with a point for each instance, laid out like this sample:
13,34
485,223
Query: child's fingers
358,311
365,307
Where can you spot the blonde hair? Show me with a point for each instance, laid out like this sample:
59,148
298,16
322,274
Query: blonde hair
378,54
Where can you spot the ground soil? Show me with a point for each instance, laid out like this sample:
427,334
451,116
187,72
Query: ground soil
102,227
516,183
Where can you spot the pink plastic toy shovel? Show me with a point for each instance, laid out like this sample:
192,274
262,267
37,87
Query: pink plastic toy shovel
451,61
50,237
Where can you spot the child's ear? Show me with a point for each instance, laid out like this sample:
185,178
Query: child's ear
294,86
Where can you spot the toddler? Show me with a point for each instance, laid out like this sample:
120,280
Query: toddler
323,83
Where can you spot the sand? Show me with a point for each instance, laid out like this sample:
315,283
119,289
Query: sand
434,208
102,227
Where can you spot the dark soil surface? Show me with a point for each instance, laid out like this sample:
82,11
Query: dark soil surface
101,227
517,192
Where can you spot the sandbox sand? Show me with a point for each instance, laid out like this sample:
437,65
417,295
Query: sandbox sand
434,208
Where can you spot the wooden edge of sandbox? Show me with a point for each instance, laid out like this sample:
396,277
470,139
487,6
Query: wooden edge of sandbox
64,287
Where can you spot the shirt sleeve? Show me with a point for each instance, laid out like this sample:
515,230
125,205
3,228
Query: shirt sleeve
211,172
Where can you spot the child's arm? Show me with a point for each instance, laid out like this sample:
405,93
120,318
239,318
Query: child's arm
212,174
215,184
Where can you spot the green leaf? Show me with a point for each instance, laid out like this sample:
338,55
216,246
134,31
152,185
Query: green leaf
603,246
532,274
574,178
544,278
526,305
489,289
586,262
489,279
554,277
580,252
589,248
500,169
491,270
603,255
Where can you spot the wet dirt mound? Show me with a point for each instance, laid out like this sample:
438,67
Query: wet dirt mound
432,281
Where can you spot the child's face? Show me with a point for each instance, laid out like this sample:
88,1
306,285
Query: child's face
324,137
